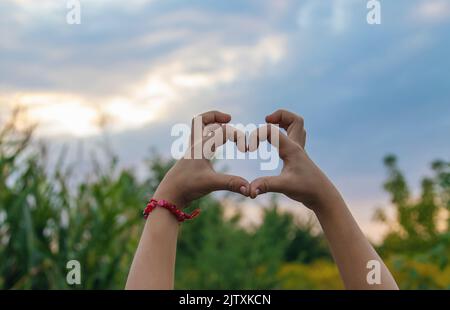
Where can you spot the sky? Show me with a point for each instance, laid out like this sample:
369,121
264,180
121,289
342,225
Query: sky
132,69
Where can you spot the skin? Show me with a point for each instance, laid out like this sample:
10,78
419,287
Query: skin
300,180
187,180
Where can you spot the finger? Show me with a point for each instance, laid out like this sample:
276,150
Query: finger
266,132
214,117
266,184
200,121
231,183
304,138
284,118
274,136
217,135
290,122
237,136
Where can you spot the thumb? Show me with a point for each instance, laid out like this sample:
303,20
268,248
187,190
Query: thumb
265,184
231,183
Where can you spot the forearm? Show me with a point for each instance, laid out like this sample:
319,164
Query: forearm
153,265
350,248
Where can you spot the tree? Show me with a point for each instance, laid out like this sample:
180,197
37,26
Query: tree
418,240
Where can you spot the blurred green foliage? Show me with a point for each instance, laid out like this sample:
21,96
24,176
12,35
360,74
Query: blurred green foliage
45,221
418,240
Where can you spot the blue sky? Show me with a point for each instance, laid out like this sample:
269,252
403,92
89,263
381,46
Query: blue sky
363,90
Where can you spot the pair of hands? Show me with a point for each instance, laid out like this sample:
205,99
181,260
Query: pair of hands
300,179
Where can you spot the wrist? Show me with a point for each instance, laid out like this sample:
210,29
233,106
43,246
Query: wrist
328,200
171,196
325,197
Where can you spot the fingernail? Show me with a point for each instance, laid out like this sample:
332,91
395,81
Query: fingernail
257,192
243,190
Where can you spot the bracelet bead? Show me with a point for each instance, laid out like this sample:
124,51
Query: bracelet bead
180,215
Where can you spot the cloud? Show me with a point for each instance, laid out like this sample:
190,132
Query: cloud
48,5
138,68
332,16
74,80
432,11
172,81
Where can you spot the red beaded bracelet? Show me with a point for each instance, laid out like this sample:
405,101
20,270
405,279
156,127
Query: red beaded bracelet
180,215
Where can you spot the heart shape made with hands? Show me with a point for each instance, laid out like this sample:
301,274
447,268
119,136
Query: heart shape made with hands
215,131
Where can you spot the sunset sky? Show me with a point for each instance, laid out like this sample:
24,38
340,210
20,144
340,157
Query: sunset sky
140,66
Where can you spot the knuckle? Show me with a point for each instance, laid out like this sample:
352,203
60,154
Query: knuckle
231,184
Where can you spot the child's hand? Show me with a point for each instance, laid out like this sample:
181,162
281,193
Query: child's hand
190,179
300,178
